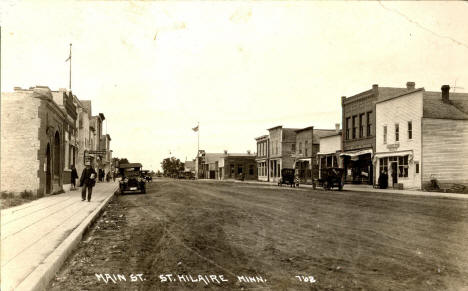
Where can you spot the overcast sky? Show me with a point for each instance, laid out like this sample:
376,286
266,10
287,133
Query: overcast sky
155,69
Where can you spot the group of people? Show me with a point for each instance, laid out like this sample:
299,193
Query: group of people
88,179
383,180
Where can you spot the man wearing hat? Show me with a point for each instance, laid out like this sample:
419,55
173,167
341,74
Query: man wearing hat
87,180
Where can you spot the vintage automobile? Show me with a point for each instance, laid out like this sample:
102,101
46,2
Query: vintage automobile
131,179
146,174
288,177
331,177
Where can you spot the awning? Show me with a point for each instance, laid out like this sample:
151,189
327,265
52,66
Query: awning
304,160
357,153
326,153
394,154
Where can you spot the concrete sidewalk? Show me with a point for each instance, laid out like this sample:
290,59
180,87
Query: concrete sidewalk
362,188
38,236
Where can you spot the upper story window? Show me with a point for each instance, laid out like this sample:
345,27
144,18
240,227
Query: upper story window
300,147
305,147
354,126
397,132
385,134
361,125
293,147
347,127
369,123
410,130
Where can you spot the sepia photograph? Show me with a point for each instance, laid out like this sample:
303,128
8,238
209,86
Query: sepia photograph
233,145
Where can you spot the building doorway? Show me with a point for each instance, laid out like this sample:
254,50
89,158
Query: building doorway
47,170
394,168
56,161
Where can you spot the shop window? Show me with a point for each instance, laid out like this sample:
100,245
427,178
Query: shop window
417,167
300,147
293,147
403,166
354,126
361,125
410,130
397,132
369,123
347,127
383,165
251,170
239,169
385,134
232,170
335,162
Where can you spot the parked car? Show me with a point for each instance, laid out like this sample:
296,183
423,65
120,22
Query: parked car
147,175
132,179
288,177
332,177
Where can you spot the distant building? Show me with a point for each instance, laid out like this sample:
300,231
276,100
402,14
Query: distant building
307,146
282,146
358,119
330,150
207,165
263,157
232,166
422,135
189,167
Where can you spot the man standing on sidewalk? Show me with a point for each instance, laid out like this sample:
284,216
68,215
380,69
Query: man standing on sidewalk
87,181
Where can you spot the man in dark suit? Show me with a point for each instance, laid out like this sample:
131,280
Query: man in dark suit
87,181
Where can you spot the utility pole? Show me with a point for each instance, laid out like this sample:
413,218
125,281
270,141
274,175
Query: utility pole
69,58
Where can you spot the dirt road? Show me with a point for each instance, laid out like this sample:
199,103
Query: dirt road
181,232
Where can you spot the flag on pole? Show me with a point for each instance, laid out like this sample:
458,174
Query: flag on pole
68,59
195,128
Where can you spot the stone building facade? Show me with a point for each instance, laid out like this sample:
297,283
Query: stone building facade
32,152
43,133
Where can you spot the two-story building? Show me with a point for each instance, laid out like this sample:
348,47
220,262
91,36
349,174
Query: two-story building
358,135
422,136
282,146
263,157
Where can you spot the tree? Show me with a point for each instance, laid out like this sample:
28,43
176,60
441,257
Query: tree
172,167
123,161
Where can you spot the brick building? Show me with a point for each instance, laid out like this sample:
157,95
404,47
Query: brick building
358,135
33,142
421,136
263,157
232,166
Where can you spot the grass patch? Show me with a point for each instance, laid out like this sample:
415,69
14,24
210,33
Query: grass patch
11,199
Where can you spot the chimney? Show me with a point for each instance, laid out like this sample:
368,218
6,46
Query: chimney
248,152
445,93
375,89
410,85
337,127
225,152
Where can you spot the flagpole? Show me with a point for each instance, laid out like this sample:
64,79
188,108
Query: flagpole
198,133
69,84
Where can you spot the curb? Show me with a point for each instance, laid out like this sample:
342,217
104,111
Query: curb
41,276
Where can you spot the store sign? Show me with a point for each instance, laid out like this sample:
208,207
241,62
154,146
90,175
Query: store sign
393,147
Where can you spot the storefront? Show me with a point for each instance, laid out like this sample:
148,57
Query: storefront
358,166
401,169
327,160
303,170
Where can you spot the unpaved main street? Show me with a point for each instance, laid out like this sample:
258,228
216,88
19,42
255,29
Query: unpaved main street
345,240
